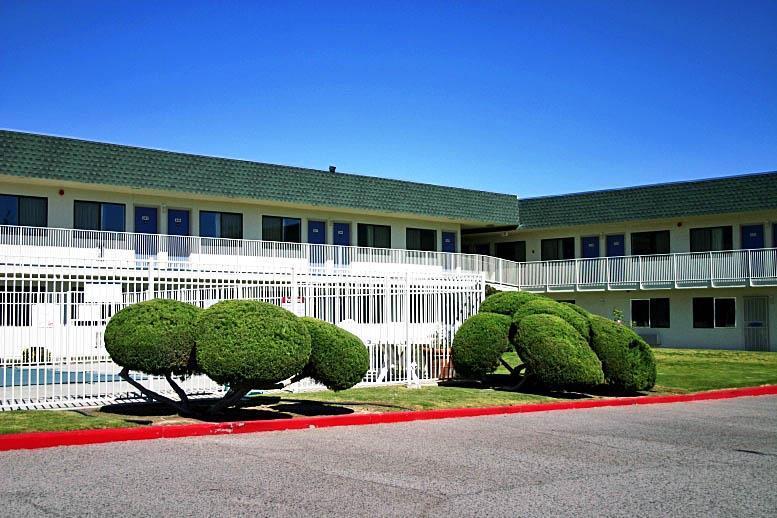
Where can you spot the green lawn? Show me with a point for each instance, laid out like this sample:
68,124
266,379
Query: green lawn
395,398
694,370
18,421
679,371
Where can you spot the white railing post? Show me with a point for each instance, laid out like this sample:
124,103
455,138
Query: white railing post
674,270
294,290
749,267
151,284
406,318
577,274
639,271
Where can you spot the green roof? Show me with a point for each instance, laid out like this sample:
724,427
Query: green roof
743,193
66,159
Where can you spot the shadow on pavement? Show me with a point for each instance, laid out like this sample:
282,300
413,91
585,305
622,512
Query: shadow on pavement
256,408
503,382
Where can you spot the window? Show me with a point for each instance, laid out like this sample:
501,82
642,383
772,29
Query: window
421,239
650,313
26,211
709,312
375,236
226,225
94,215
276,228
558,248
650,243
711,239
512,250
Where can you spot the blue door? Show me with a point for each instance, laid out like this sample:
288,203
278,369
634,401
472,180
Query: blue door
616,245
146,222
752,236
590,246
178,225
316,232
341,236
449,242
317,236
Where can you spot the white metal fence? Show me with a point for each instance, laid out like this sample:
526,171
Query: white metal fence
85,248
53,313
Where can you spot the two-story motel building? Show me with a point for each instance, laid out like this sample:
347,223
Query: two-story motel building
688,264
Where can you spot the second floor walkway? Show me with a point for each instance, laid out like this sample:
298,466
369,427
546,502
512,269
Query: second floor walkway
51,248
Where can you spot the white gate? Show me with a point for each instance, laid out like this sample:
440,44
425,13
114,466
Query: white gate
52,320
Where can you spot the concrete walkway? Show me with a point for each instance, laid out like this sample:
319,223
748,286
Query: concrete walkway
685,459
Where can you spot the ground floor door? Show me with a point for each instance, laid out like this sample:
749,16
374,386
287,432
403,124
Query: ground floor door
756,323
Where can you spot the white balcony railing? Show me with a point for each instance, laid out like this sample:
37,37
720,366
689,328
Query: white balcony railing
55,246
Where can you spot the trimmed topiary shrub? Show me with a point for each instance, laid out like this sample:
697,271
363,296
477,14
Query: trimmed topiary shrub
506,302
479,344
155,337
338,359
627,361
250,343
545,306
582,311
555,353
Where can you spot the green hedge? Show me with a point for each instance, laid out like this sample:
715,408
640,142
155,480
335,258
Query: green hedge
155,337
556,354
338,359
251,342
627,361
506,302
545,306
580,310
479,344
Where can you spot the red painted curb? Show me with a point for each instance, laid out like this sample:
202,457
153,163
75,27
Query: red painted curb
35,440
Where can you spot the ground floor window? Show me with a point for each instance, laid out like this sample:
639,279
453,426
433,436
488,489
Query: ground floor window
709,312
650,313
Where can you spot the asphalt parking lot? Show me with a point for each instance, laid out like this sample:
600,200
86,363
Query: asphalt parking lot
687,459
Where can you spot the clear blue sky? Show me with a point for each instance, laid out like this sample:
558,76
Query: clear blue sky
530,98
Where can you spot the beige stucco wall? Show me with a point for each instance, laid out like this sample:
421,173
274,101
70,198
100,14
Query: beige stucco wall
60,210
681,332
679,231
